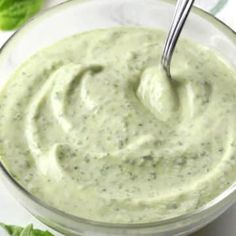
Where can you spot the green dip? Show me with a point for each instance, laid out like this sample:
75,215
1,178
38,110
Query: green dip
92,126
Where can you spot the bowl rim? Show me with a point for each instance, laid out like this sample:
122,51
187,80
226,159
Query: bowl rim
218,7
220,25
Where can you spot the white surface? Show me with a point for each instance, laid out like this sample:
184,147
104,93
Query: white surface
12,213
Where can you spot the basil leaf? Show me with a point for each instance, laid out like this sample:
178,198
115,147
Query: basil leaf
13,230
14,13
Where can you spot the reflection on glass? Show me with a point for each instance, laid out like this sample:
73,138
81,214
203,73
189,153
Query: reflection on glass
213,6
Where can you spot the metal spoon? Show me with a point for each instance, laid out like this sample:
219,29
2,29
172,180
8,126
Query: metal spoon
182,10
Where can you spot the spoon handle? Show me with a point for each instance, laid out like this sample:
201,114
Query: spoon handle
182,10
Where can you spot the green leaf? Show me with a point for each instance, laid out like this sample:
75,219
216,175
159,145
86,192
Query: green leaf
14,13
37,232
27,231
13,230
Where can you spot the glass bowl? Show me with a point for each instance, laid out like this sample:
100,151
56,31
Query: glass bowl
78,16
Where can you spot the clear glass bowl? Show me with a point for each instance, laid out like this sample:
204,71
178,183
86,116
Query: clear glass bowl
78,16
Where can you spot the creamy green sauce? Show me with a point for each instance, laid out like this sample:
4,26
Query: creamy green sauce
93,127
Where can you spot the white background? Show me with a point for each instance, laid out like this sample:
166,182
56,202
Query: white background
12,213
